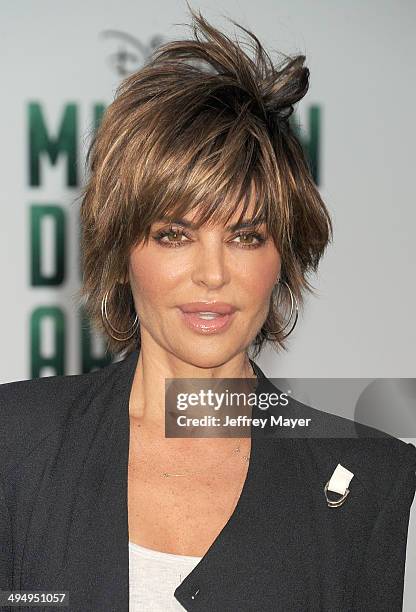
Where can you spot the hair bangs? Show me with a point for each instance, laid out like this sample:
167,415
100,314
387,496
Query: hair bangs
211,180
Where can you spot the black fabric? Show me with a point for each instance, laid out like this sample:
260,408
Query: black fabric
64,444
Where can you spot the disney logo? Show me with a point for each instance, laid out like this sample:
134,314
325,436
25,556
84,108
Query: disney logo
129,52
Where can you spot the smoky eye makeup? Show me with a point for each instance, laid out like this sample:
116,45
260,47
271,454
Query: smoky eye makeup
246,239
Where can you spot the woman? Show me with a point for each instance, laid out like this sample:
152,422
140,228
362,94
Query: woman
200,224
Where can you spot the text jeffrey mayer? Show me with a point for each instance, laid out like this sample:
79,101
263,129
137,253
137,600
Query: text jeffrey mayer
242,420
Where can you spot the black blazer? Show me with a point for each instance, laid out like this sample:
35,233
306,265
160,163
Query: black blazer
64,522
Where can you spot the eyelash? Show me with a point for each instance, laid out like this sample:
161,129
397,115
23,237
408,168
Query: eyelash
162,233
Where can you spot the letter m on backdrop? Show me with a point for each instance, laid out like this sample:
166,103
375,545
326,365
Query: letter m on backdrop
41,143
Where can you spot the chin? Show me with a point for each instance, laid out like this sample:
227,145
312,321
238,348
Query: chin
209,357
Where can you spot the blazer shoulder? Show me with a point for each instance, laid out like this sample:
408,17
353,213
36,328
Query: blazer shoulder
376,458
32,409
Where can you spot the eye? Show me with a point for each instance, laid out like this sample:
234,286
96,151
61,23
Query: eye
174,232
248,235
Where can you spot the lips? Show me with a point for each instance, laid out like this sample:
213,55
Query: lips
195,316
221,308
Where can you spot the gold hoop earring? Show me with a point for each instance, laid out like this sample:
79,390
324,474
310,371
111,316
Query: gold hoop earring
104,316
294,305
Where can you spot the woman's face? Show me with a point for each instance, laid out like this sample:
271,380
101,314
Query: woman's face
180,265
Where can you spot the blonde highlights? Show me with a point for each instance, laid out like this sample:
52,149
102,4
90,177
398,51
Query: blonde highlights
200,125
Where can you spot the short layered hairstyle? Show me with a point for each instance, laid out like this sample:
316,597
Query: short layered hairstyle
199,126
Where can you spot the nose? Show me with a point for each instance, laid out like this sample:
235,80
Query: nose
209,266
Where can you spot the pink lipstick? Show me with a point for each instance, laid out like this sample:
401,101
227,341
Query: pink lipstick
207,317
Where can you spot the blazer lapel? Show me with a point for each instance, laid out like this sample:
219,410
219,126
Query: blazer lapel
90,475
283,545
260,552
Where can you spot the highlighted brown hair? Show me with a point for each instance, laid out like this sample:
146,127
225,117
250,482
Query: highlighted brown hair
200,125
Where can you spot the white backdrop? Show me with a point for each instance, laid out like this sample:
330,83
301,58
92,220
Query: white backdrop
361,57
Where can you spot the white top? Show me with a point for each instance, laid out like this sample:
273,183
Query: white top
154,576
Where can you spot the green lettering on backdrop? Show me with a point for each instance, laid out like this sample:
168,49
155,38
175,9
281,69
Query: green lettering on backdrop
98,114
55,317
311,143
44,147
38,213
89,361
40,142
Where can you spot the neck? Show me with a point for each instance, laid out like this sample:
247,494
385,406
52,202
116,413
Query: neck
147,396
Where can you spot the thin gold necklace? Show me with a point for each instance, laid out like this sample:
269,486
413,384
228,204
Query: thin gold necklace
235,451
188,473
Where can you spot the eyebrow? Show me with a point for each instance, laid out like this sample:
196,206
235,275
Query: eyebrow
245,223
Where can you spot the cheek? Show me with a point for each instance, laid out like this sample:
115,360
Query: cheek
262,274
150,278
